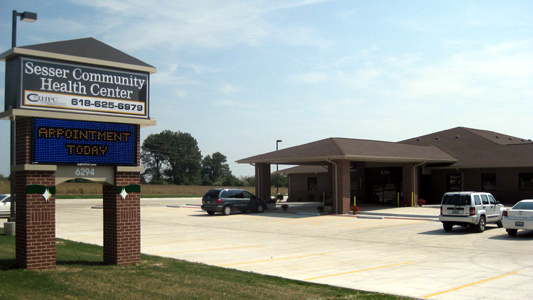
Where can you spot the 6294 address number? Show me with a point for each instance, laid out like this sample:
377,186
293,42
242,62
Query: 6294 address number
84,172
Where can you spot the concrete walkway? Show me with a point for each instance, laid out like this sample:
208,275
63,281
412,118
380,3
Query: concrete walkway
427,212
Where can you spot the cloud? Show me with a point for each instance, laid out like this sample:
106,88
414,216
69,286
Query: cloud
496,69
228,89
309,78
206,24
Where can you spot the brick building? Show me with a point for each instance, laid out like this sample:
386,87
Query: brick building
425,167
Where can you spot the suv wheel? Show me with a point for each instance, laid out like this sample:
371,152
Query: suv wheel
480,226
226,210
512,232
447,226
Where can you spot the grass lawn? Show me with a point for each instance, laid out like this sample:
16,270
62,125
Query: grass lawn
81,274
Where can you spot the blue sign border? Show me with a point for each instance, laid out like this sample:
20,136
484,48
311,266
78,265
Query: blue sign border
69,142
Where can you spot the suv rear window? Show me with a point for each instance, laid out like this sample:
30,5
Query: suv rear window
456,199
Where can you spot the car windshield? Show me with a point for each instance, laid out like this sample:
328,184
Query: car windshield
456,199
524,205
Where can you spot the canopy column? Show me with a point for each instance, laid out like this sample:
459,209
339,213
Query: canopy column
262,181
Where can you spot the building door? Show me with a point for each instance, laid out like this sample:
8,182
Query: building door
383,184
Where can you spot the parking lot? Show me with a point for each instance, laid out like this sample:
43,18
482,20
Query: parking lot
401,251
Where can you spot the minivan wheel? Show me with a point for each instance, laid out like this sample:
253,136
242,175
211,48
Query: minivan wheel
226,210
447,226
480,226
260,208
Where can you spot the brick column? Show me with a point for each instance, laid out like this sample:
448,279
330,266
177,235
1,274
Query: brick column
341,173
122,221
262,181
408,179
35,217
35,230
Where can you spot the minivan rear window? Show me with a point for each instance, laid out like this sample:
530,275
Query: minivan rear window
212,194
456,199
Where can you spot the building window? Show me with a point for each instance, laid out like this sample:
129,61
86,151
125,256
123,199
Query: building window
312,185
488,181
525,181
454,182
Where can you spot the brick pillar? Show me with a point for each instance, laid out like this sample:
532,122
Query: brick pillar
409,177
35,230
262,181
341,173
122,222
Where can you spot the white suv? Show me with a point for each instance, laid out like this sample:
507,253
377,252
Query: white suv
471,209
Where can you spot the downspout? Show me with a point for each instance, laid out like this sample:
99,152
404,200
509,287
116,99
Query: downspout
336,186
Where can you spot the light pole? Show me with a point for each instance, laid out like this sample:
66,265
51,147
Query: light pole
26,17
277,184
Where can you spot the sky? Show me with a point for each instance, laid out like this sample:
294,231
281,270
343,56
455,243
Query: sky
240,74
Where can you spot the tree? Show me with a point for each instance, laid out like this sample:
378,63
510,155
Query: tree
173,157
215,170
154,159
279,180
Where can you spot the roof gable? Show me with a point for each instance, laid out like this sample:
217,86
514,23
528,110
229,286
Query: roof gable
85,50
479,148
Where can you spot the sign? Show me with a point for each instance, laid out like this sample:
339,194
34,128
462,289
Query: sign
93,173
83,143
58,86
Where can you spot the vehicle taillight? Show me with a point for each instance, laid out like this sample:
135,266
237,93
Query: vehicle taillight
472,211
441,210
219,201
505,213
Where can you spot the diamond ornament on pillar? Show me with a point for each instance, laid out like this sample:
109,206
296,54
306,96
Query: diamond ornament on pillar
123,194
46,195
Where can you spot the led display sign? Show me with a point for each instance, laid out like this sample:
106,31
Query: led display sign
58,86
83,143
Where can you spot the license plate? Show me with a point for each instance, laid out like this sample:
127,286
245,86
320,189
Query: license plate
208,202
455,212
519,224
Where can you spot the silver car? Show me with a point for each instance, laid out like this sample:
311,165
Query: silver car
5,204
520,216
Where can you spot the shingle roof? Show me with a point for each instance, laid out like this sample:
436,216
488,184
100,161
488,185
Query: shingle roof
81,50
305,169
353,149
476,148
458,147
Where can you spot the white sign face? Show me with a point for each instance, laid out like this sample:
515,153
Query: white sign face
89,104
93,173
67,87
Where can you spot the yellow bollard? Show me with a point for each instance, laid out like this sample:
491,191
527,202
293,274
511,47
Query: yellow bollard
398,199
